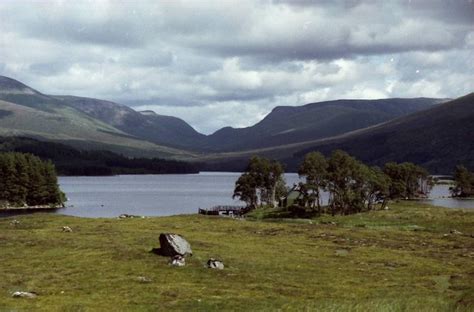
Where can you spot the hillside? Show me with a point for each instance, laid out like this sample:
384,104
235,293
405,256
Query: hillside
160,129
27,112
290,124
438,139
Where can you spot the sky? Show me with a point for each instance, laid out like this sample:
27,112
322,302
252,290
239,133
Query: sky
229,63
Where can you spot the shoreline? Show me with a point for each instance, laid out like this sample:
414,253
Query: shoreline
41,207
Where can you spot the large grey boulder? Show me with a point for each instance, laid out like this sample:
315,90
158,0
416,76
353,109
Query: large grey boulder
173,244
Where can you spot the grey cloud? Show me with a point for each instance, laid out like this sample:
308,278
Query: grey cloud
203,58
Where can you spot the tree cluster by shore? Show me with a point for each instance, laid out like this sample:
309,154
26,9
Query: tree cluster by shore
26,181
352,186
463,182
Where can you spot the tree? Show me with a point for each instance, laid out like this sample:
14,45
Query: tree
344,177
246,190
259,184
407,180
314,169
376,187
464,182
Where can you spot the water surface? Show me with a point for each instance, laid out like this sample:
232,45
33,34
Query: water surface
164,195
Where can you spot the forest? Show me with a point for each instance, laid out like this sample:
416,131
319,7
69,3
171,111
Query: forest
26,181
73,162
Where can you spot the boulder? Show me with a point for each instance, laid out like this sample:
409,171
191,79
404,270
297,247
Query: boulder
24,294
178,261
215,264
172,245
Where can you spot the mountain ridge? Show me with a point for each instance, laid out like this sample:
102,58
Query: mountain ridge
286,133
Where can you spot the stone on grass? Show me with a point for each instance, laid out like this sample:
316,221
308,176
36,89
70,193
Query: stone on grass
178,261
14,222
128,216
172,245
215,264
24,294
144,279
67,229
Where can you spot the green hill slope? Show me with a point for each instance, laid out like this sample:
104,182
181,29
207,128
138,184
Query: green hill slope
26,112
167,130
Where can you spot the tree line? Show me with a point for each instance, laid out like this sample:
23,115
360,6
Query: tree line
352,186
73,162
26,180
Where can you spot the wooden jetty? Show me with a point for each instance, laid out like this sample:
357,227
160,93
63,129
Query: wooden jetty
224,210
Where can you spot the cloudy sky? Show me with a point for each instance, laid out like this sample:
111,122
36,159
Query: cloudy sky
220,63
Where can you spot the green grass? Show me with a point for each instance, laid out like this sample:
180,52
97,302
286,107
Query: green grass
395,260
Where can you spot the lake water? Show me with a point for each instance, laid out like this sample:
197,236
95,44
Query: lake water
147,195
163,195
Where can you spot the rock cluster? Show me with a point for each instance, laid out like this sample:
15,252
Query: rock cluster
177,248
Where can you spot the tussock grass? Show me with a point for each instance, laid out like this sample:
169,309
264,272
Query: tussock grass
395,260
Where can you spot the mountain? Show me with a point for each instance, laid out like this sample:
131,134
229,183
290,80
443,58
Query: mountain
27,112
160,129
438,138
421,130
290,124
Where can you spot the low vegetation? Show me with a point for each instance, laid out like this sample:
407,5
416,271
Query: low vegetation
408,258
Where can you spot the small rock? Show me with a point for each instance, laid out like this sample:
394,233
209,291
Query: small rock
24,294
455,232
386,208
14,222
67,229
215,264
178,261
144,279
342,252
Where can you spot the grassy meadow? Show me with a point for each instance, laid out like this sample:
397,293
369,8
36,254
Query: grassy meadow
411,257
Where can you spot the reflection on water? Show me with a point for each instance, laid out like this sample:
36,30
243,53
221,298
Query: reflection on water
439,196
162,195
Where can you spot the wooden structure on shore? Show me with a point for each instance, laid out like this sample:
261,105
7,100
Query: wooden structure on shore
224,210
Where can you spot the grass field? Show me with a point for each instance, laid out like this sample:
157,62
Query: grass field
402,259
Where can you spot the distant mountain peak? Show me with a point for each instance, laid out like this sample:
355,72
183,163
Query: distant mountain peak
12,86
